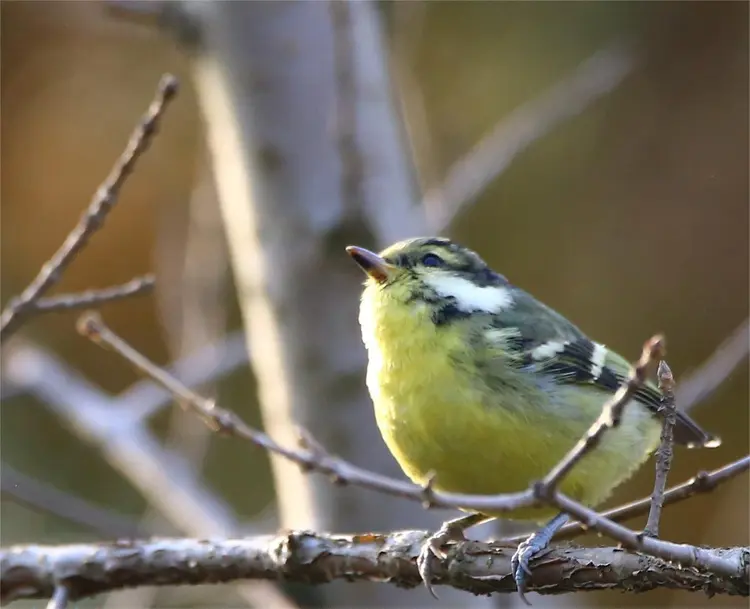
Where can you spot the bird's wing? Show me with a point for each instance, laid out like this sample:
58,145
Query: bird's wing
559,350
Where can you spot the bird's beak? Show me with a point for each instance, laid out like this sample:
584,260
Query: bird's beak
371,263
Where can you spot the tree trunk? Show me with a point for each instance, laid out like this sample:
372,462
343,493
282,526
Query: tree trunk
308,158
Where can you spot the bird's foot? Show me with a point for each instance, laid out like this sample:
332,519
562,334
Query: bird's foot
529,549
519,563
434,547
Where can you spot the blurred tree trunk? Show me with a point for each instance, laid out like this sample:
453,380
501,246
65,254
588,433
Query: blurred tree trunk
308,158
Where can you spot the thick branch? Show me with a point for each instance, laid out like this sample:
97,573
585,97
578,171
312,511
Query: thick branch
35,571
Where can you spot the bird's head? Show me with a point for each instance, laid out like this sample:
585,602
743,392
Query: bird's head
433,274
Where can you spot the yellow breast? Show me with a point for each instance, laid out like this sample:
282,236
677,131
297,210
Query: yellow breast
435,417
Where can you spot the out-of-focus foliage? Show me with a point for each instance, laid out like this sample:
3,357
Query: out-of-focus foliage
631,218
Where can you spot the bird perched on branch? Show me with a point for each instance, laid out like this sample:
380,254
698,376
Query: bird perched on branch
479,388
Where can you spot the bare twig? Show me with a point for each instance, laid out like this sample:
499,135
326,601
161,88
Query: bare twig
27,490
684,555
193,311
664,452
312,558
226,422
164,478
93,218
343,472
595,77
144,398
703,482
610,417
82,300
715,370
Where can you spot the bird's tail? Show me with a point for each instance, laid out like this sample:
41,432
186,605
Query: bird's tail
692,435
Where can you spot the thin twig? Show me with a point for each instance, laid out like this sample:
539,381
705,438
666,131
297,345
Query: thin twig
313,456
664,452
702,482
226,422
469,176
39,495
163,477
343,472
685,555
93,218
138,286
144,398
610,416
697,386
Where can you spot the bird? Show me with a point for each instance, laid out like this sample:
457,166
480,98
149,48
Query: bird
479,388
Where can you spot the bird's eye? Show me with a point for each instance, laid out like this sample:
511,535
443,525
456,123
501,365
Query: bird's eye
432,260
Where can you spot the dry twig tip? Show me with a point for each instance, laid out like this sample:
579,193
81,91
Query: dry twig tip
103,201
665,450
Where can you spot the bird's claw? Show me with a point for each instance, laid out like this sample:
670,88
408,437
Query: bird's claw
527,550
434,548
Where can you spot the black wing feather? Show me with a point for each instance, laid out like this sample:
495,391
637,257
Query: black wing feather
560,349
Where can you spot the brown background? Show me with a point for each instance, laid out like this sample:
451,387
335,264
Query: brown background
631,218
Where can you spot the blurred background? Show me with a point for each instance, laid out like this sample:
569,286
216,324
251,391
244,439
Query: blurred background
611,182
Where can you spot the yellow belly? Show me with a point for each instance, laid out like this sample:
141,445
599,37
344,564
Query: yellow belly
434,419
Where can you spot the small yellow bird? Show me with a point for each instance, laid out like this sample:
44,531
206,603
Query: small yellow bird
484,388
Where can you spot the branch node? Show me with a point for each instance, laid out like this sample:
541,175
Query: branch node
90,325
541,490
306,440
224,422
337,479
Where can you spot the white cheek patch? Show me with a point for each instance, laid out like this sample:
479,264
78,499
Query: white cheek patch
598,357
469,296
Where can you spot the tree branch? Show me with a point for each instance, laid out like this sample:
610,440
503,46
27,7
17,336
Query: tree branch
163,477
684,555
702,482
82,300
466,179
39,495
314,457
23,306
697,386
665,450
35,571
